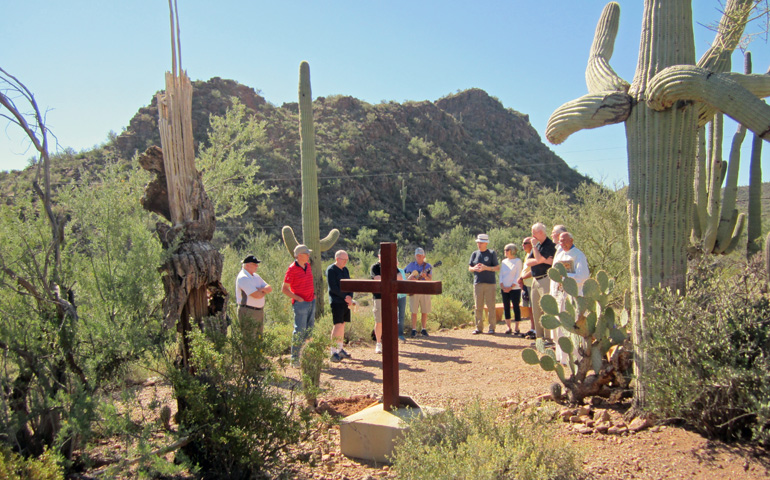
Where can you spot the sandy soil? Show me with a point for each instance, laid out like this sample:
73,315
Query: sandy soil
448,368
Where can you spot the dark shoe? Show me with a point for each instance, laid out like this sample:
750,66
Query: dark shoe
402,338
518,334
549,343
414,333
475,332
509,332
424,332
530,335
344,354
335,358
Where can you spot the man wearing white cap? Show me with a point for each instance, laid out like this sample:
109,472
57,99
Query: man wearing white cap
483,264
419,270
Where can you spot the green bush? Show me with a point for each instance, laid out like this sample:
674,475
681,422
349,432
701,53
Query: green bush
448,312
482,442
313,360
15,467
237,421
709,352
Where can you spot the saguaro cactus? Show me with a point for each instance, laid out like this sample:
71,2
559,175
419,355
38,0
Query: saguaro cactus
717,225
310,224
662,108
595,339
754,229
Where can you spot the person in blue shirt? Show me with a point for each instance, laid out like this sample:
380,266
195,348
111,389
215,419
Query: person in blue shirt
419,270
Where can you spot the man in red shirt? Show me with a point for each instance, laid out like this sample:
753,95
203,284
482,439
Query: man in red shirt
298,285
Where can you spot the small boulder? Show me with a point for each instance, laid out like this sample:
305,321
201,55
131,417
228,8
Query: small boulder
638,424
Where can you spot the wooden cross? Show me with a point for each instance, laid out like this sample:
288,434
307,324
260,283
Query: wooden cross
389,287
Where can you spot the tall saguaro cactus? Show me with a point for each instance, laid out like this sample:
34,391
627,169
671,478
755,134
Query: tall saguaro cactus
754,229
669,97
310,223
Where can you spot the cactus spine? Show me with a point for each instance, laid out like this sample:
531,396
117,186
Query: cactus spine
662,108
594,333
310,223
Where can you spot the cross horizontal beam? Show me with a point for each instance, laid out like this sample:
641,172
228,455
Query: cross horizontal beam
402,286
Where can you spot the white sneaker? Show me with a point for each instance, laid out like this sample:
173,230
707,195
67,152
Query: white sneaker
378,348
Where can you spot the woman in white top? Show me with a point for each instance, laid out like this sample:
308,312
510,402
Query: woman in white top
510,270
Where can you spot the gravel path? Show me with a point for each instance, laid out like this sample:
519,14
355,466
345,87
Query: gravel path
450,367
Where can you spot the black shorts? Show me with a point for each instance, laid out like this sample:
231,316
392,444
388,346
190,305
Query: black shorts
340,313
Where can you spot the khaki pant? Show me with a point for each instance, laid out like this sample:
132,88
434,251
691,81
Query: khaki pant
252,322
539,288
484,294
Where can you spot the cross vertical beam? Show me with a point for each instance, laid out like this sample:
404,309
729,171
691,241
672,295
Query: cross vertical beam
389,287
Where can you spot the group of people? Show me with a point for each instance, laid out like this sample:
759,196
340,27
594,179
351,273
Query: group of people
298,286
522,283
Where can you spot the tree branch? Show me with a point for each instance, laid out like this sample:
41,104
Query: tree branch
589,111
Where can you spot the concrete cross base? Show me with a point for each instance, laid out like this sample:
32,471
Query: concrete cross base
371,433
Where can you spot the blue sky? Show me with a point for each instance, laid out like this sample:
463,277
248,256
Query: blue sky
92,64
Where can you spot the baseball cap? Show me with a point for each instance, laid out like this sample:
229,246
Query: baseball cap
250,259
482,238
301,249
419,251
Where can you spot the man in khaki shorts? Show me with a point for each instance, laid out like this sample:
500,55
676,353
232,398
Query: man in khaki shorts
419,270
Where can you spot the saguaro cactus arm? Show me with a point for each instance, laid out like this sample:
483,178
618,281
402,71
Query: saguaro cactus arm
718,57
690,83
289,239
589,111
600,77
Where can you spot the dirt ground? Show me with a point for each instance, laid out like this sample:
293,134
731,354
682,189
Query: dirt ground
450,367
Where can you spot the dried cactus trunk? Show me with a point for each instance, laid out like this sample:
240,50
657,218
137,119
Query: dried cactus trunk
310,223
661,110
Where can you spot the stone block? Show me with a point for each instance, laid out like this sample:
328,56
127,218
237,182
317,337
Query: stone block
371,433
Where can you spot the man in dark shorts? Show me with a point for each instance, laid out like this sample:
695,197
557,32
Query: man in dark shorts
340,303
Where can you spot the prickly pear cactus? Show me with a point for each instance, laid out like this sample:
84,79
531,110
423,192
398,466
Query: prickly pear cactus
595,340
310,224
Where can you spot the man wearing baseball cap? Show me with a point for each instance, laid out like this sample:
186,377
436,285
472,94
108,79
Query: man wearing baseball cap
419,270
250,291
298,285
483,264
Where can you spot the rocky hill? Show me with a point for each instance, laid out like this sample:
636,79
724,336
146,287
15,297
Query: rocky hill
401,172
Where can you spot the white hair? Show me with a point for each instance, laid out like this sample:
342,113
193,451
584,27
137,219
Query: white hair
538,227
339,253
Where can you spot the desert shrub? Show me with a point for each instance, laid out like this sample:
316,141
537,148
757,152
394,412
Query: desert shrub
448,312
72,327
15,467
709,352
482,442
237,421
313,359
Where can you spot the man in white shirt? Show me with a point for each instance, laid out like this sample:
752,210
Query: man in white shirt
250,291
577,268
